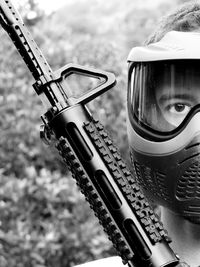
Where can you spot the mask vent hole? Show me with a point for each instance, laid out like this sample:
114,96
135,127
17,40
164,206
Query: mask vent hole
188,186
152,181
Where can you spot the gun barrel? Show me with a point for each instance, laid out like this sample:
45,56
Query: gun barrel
9,13
21,37
31,54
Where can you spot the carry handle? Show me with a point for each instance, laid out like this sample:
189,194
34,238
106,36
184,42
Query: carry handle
108,81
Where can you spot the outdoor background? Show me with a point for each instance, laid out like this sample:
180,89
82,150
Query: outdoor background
44,219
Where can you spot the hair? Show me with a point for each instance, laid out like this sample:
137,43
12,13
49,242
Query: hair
186,18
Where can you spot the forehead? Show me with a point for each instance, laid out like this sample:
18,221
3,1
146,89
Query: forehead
176,69
178,80
177,76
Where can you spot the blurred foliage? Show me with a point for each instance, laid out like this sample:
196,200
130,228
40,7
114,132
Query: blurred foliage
44,220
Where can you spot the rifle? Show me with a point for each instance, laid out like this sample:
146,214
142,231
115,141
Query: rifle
111,190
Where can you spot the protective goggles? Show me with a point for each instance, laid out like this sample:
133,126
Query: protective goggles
163,95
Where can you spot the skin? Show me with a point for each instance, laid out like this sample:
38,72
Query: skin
186,237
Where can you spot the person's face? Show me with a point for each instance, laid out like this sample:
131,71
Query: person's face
176,101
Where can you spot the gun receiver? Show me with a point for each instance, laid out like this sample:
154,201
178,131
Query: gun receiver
102,176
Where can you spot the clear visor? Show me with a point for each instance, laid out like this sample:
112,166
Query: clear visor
164,92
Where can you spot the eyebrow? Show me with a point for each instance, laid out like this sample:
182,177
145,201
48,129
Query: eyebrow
166,97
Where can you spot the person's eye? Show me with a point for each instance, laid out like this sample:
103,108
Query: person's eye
179,108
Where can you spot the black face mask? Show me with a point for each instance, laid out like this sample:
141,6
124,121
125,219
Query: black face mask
164,133
171,183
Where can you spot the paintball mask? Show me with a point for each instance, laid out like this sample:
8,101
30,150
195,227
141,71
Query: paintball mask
164,121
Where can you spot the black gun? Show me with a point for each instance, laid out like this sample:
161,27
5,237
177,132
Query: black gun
88,151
